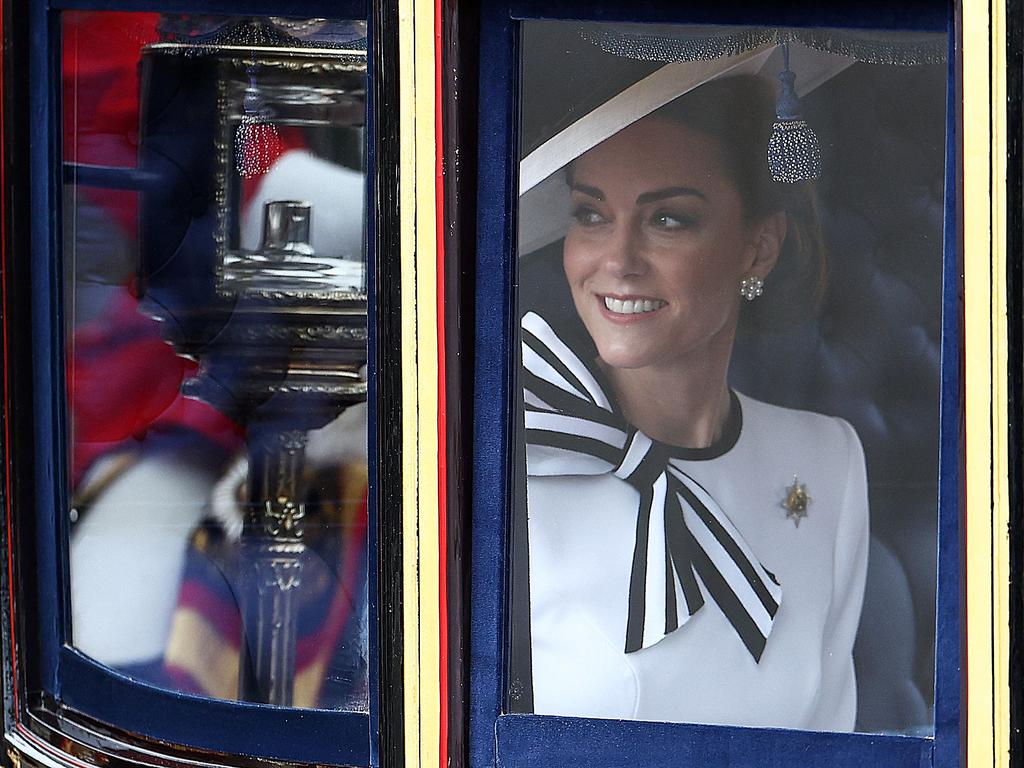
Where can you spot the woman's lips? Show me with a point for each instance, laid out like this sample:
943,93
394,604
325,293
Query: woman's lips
630,307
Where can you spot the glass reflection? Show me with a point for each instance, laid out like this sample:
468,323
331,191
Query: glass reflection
214,243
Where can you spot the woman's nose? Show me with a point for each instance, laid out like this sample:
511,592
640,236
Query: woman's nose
624,254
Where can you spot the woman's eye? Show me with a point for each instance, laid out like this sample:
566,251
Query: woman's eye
671,221
587,216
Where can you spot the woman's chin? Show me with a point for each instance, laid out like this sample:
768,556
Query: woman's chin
625,358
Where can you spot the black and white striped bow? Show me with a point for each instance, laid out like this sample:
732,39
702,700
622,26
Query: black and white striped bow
686,547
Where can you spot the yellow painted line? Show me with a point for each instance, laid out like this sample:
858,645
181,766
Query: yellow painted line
426,314
987,553
410,379
421,545
1000,398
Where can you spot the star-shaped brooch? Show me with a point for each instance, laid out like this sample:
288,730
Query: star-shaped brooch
796,502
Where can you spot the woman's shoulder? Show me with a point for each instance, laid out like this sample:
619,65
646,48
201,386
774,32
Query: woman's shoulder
796,424
825,446
826,455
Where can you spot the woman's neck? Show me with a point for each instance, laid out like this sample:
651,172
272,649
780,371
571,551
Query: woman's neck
684,405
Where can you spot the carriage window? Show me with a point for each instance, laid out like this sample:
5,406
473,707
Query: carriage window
215,309
730,259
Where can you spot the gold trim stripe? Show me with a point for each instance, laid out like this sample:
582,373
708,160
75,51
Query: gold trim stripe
421,543
1000,395
987,514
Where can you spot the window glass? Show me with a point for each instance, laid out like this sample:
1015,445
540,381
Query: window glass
215,293
729,285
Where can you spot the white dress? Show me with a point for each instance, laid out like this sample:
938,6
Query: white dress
581,535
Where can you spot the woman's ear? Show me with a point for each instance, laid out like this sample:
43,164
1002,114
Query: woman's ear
769,235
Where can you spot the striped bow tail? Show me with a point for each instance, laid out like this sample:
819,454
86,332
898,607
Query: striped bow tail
686,547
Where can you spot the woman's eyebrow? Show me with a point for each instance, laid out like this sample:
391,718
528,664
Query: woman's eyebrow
593,192
661,194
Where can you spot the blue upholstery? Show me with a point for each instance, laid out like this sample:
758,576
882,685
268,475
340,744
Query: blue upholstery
872,356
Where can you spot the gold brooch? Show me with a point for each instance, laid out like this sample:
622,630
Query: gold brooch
796,502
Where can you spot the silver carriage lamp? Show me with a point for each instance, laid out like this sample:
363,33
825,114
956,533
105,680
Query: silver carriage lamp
253,257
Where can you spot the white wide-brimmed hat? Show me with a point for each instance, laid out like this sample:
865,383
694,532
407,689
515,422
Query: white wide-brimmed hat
692,56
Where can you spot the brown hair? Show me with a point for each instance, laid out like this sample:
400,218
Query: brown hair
738,112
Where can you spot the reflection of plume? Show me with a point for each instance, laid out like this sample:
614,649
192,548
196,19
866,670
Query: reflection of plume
226,498
257,142
343,441
336,194
257,146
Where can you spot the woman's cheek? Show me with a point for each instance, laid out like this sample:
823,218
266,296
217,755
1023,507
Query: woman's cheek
578,260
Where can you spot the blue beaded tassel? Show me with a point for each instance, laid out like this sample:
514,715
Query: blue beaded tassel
793,152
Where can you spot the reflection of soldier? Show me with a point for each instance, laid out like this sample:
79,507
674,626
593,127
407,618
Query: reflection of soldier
146,460
149,465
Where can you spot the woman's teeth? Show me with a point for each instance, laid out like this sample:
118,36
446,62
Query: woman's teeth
632,306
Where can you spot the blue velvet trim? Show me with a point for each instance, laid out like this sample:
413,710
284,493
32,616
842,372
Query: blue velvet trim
527,741
951,592
47,334
493,375
307,735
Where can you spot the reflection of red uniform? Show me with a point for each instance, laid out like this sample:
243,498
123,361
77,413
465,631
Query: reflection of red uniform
101,97
123,379
101,105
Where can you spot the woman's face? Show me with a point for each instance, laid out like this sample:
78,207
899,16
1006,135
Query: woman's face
658,246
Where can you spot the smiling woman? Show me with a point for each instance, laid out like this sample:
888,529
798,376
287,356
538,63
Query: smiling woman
662,238
686,552
660,241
